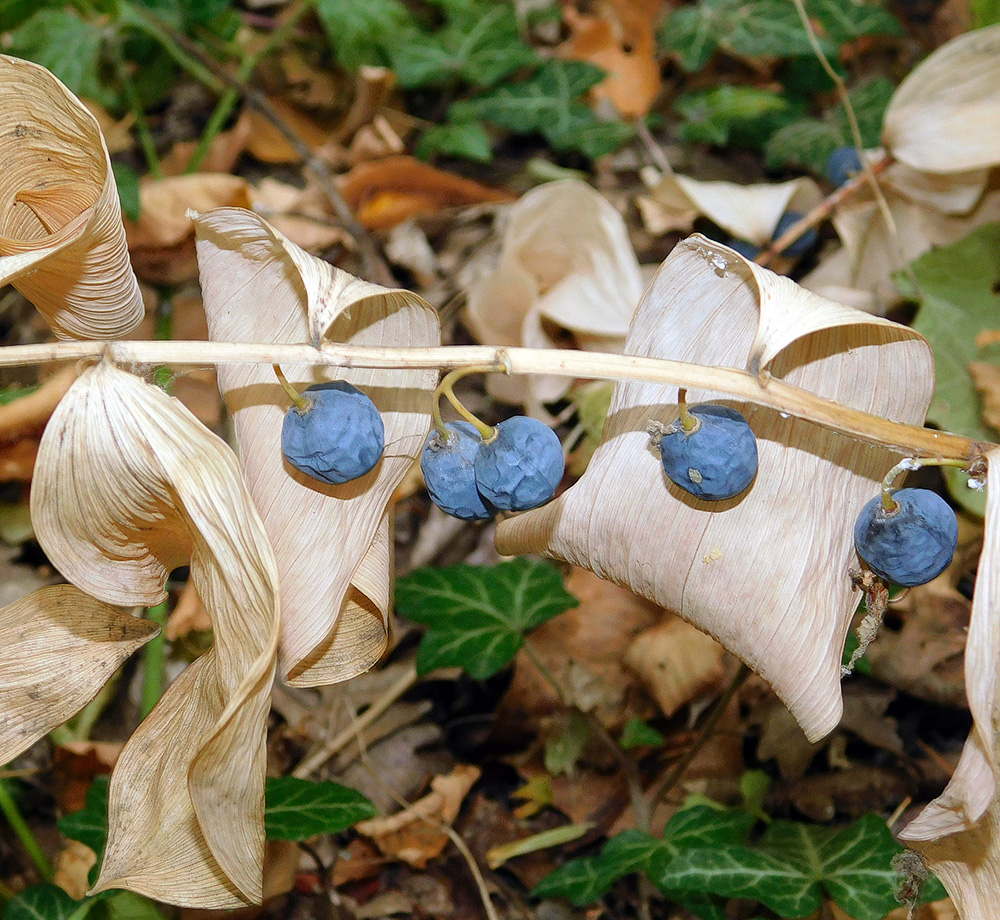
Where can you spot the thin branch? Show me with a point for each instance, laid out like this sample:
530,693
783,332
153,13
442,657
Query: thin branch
763,390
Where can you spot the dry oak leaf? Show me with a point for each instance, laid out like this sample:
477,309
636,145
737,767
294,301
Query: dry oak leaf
332,542
61,239
414,835
58,647
386,192
128,486
565,260
758,572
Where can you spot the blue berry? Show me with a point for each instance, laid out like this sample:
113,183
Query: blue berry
911,545
448,465
842,165
803,244
338,438
744,247
716,460
521,467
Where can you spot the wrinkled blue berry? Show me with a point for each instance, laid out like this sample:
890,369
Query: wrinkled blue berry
716,460
744,247
803,244
842,165
521,467
910,545
338,438
448,465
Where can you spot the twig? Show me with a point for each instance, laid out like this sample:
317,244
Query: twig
769,391
823,210
320,756
374,266
671,780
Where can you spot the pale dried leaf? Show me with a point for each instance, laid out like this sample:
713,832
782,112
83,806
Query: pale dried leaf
959,832
945,116
748,212
128,486
766,579
566,259
62,244
58,647
259,287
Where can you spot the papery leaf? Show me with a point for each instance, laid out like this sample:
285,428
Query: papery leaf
297,809
959,832
748,212
129,485
58,647
62,243
945,116
332,543
765,573
565,258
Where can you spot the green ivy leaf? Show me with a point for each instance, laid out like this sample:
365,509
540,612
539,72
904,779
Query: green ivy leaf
67,45
41,902
360,33
795,865
637,733
479,44
710,115
957,293
466,139
90,824
846,20
478,615
549,102
122,905
298,809
584,880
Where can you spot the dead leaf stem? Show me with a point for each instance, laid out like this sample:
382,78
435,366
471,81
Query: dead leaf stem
729,381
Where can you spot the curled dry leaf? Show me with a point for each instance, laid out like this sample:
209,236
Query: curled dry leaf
566,260
959,832
332,543
58,647
128,486
748,212
765,573
61,239
945,116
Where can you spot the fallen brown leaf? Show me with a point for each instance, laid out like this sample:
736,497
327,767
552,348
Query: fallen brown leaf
414,835
986,377
223,152
188,616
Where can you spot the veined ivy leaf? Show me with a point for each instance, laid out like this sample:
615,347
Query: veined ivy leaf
479,44
957,293
584,880
467,139
710,115
90,824
795,865
478,615
68,46
549,102
361,32
41,902
846,20
297,809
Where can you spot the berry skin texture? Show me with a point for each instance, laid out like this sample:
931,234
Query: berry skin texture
715,461
909,546
803,244
842,165
448,465
522,466
744,247
339,438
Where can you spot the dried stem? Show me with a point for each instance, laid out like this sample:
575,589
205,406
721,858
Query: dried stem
447,388
766,391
